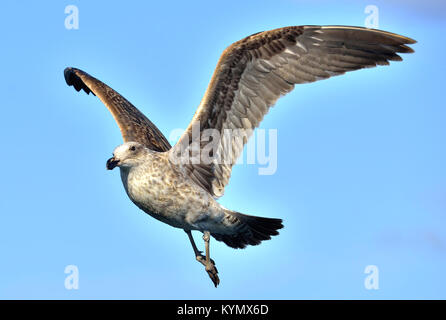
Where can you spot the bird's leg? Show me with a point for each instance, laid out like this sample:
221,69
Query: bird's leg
202,259
210,265
198,254
207,238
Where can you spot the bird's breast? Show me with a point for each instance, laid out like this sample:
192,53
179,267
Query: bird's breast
160,192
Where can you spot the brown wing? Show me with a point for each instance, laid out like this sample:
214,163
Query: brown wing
134,125
254,72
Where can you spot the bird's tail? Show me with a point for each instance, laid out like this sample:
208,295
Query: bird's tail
247,230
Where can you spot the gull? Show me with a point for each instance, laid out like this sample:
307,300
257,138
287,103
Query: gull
177,187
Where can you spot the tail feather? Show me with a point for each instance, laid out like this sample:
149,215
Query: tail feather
248,230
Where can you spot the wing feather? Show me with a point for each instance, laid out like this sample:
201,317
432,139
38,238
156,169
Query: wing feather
256,71
134,125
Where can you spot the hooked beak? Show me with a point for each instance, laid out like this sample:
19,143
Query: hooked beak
112,163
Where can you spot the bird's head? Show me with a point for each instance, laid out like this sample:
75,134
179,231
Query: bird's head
127,155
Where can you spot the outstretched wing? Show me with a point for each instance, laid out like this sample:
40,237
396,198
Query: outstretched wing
254,72
134,125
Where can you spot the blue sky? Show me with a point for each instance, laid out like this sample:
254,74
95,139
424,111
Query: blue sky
360,179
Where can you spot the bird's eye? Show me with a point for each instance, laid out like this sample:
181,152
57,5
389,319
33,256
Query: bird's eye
132,148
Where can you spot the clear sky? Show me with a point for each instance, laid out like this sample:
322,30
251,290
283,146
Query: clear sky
360,176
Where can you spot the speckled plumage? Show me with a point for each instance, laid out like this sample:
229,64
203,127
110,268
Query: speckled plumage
160,189
251,75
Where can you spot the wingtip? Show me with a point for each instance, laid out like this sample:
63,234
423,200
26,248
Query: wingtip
73,79
410,40
67,75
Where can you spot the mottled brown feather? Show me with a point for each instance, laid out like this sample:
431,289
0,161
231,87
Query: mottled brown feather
134,125
254,72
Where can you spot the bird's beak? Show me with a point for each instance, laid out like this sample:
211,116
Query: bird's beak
112,163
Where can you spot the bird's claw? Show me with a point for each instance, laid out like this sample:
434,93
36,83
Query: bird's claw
202,260
213,273
210,268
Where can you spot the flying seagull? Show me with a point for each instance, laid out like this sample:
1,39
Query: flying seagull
175,186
